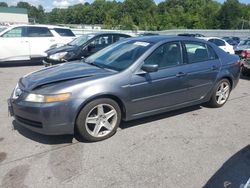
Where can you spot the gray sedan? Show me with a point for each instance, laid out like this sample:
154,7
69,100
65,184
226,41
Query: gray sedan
131,79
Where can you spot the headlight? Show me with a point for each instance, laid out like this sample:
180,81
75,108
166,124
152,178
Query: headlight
47,98
58,56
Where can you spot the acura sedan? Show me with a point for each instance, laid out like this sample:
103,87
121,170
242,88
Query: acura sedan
130,79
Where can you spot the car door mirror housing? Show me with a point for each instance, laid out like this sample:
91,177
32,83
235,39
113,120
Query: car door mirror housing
150,68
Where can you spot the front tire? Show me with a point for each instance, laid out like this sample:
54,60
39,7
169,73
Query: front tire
99,119
220,94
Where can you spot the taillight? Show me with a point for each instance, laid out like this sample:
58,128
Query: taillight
245,54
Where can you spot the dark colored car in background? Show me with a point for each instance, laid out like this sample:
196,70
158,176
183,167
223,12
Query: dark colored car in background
233,41
191,35
243,45
245,56
81,47
130,79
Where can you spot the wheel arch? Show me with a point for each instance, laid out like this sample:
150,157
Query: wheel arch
109,96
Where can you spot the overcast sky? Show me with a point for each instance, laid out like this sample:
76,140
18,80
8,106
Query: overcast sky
50,4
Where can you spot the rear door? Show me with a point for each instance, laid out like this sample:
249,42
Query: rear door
14,45
202,71
40,39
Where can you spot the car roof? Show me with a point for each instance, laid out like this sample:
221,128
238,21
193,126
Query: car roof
106,33
159,38
39,25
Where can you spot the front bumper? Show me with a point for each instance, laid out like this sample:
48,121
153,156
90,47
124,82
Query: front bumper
49,119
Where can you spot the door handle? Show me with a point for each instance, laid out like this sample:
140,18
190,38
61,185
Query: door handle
181,74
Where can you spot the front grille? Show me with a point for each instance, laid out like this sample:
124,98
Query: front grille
29,122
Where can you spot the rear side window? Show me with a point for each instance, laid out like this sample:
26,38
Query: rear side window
64,32
119,37
198,52
15,32
39,32
217,42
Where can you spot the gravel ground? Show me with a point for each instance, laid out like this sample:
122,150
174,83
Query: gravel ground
192,147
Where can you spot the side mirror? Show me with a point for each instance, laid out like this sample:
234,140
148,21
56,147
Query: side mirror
150,68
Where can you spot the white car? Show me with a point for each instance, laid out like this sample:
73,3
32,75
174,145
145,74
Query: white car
220,43
27,42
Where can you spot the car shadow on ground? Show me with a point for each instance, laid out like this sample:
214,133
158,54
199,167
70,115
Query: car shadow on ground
234,173
62,139
44,139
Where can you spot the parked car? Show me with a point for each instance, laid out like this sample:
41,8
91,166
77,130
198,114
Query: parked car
243,45
222,44
81,47
245,56
29,42
147,34
130,79
231,41
191,35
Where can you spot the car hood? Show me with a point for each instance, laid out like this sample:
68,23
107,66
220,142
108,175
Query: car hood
62,73
65,48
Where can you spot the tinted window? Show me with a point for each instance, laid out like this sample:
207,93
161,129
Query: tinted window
217,42
102,42
167,55
198,52
38,32
15,32
64,32
119,37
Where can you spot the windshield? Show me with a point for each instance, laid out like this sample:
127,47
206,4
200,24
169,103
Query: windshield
119,56
81,40
244,42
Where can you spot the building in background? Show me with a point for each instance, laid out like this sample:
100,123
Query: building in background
10,15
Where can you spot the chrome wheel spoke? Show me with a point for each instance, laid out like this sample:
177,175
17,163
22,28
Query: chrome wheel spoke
226,89
97,129
108,126
100,110
110,114
218,93
220,99
92,120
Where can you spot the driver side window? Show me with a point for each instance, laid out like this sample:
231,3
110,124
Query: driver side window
167,55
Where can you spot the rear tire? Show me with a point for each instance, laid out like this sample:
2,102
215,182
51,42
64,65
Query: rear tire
220,94
98,120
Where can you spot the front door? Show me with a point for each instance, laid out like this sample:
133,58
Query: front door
162,89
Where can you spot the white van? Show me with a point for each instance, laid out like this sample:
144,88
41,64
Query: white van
27,42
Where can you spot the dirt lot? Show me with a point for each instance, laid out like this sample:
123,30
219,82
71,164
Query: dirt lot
189,148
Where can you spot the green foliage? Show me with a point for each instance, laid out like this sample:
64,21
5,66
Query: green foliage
3,4
147,15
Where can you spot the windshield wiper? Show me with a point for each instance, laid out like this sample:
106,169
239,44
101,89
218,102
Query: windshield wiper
96,65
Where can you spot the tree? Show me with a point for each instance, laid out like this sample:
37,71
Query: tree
230,14
3,4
